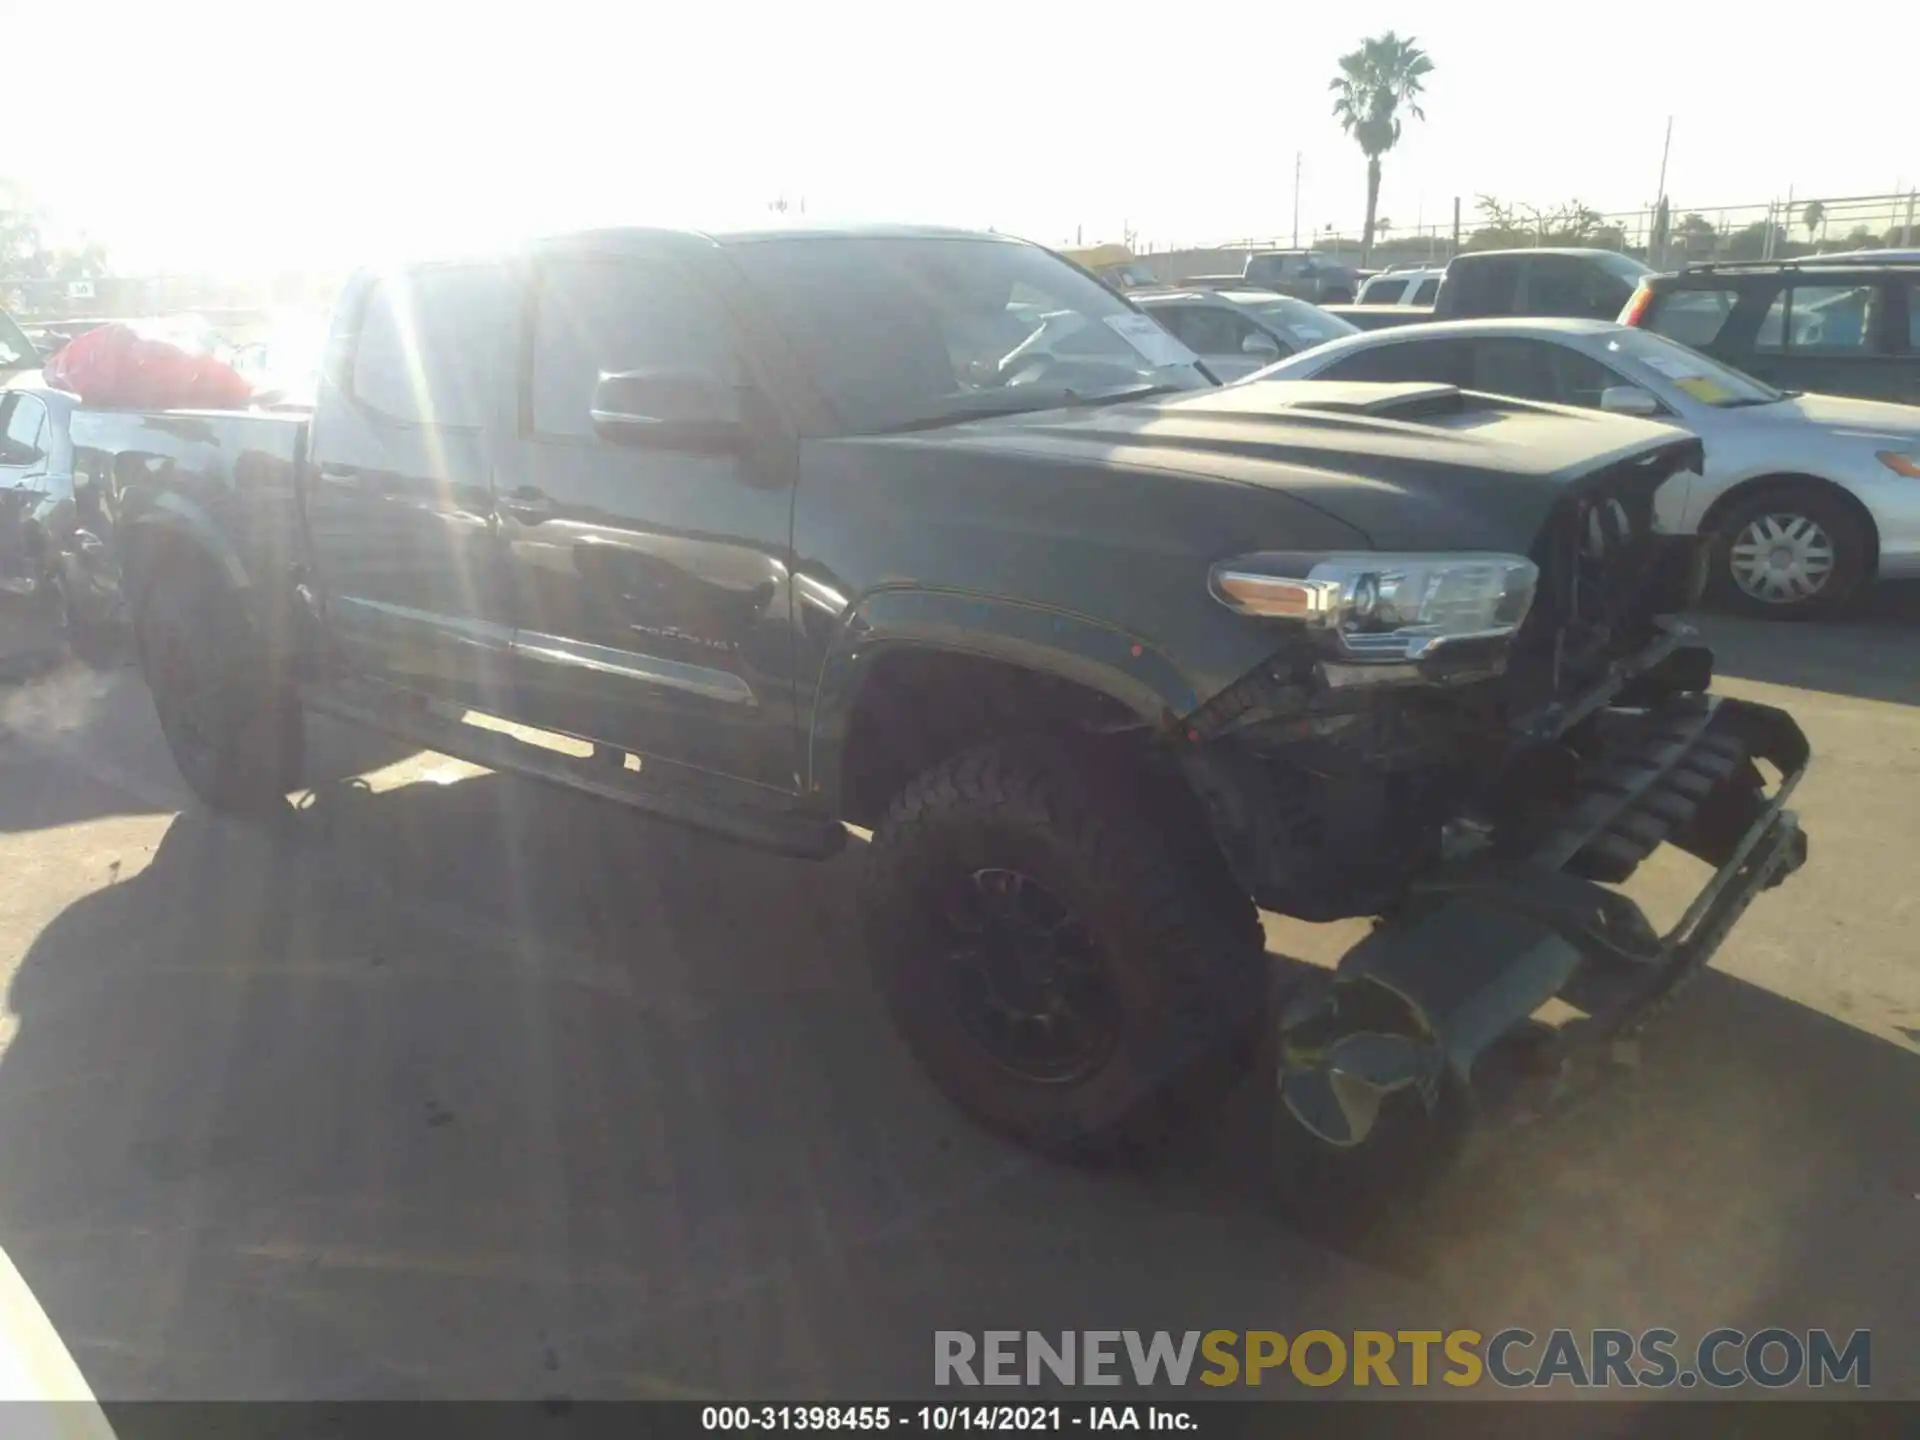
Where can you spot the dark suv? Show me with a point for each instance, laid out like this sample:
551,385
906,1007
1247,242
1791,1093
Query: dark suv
1840,327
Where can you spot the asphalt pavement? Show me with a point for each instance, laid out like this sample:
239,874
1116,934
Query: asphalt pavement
444,1084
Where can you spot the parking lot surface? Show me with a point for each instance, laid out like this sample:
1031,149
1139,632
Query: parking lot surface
447,1085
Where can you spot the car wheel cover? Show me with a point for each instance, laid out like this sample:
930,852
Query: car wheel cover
1781,558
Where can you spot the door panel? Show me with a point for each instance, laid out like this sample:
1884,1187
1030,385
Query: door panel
650,585
399,509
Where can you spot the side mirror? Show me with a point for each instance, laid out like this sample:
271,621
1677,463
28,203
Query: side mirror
667,408
1263,347
1628,400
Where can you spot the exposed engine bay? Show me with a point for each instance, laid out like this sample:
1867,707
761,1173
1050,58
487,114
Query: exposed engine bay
1482,805
1334,785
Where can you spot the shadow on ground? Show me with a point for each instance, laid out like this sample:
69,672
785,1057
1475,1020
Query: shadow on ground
477,1089
1755,1166
1851,656
103,711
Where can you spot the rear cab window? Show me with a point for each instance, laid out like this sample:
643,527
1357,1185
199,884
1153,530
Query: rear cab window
23,421
1482,286
1575,285
427,344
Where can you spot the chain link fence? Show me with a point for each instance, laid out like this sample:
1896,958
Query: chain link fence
1786,228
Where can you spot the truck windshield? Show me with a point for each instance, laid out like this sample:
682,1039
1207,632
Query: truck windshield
909,333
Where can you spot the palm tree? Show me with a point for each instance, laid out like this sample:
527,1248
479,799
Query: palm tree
1384,74
1813,217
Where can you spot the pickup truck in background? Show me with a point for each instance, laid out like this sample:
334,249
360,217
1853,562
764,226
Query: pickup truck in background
1303,274
1572,284
934,535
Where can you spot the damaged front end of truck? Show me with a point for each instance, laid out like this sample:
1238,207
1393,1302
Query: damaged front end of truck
1479,751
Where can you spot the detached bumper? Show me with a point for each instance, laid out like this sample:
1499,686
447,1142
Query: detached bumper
1413,1012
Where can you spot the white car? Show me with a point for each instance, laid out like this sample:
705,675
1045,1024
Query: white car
1807,496
1402,287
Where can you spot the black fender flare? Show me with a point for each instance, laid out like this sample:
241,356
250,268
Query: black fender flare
1126,668
169,522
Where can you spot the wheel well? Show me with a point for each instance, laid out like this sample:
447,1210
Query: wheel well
158,555
164,553
1748,489
918,706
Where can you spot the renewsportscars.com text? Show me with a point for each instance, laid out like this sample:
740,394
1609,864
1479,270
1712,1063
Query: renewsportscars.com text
1722,1359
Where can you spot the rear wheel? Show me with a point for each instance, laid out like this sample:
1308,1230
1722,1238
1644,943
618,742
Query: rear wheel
1789,553
232,725
1059,970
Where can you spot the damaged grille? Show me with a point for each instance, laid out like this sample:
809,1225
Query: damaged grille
1646,788
1606,574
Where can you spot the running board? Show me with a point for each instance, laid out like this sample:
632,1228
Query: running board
608,773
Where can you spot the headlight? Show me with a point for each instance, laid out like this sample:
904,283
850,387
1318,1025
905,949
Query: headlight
1901,462
1384,607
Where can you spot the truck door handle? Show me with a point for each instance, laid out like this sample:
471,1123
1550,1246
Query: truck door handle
528,505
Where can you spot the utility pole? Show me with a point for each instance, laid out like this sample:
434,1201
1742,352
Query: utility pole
1666,146
1456,225
1296,200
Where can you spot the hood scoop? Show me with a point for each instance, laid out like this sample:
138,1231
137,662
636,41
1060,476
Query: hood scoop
1386,402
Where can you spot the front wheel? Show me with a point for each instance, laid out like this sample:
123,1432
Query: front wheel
233,727
1058,970
1791,553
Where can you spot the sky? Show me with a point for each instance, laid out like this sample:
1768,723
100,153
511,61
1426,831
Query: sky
265,136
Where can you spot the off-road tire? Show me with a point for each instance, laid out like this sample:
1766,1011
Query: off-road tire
233,725
1851,549
1182,950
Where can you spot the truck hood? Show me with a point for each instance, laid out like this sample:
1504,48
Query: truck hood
1406,466
1843,413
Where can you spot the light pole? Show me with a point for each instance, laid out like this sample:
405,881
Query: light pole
1296,200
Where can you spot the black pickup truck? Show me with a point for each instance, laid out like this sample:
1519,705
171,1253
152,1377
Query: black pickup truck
932,535
1583,284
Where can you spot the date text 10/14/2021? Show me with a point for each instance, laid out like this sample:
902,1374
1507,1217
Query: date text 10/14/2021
941,1419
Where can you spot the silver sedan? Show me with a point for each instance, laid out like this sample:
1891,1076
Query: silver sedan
1807,496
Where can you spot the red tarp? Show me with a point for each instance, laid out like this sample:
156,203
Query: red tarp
117,366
